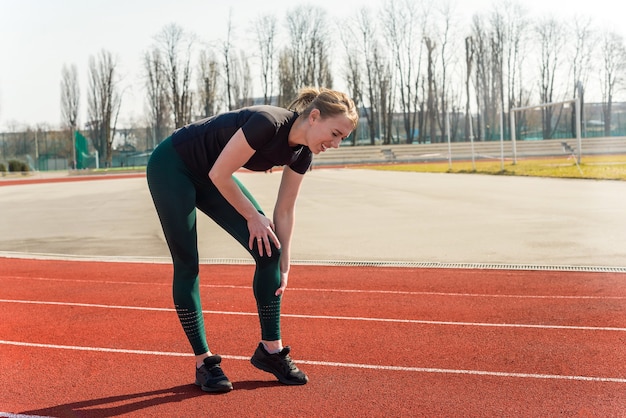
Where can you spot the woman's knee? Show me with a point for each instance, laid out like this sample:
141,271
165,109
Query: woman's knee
186,270
265,261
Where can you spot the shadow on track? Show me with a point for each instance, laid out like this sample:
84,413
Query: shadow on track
112,406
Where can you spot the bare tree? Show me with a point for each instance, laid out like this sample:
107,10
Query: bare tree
299,22
176,46
359,41
377,89
355,85
613,55
157,95
431,105
286,78
551,36
402,59
70,100
582,59
401,20
308,47
266,32
370,46
227,55
446,61
385,82
497,40
241,78
482,82
323,74
509,23
105,101
469,61
516,24
581,62
208,72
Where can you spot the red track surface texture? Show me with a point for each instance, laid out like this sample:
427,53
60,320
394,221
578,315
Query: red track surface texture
101,339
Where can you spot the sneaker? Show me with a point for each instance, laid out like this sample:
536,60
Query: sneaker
280,365
210,376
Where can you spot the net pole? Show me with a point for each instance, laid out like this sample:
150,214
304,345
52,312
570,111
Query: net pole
578,136
513,134
36,151
73,148
472,143
501,139
449,145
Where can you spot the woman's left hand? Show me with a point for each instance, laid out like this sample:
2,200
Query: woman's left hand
284,278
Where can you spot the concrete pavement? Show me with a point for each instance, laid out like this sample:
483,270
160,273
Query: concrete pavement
354,215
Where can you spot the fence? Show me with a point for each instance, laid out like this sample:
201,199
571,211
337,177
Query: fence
52,150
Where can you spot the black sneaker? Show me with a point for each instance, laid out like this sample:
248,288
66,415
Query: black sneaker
280,365
210,376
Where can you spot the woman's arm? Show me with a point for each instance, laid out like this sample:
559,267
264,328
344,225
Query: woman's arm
284,219
236,153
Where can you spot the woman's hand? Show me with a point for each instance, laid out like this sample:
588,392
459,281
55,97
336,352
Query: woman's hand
262,232
284,277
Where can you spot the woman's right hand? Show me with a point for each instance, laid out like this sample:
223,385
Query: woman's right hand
284,278
261,230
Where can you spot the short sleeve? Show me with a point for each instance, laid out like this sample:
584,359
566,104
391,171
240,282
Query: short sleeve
259,130
302,164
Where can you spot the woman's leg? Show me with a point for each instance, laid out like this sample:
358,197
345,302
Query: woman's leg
267,273
270,356
174,196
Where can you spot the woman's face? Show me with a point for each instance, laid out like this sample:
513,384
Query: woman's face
328,132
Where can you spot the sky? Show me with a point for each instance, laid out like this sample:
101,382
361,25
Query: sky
39,37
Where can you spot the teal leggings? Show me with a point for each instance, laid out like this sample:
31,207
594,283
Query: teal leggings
177,193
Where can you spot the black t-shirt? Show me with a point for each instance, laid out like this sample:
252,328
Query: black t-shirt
266,129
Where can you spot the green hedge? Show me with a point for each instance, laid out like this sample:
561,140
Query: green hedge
16,166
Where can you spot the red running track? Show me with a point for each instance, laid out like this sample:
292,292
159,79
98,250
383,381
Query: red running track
95,339
62,178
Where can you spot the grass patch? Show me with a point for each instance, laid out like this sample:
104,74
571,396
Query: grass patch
604,167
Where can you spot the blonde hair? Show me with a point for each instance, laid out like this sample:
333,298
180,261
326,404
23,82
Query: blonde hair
329,102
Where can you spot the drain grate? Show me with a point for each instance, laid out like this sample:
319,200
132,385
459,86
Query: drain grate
483,266
338,263
418,264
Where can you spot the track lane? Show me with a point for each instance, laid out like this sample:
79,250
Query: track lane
396,279
513,350
95,385
103,383
571,308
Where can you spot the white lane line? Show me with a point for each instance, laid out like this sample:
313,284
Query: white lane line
87,305
477,295
466,324
333,317
356,291
334,364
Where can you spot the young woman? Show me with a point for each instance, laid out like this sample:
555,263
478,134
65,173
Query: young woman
194,168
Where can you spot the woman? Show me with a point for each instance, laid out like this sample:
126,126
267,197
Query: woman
194,168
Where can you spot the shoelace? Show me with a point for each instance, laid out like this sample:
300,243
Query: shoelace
289,363
216,371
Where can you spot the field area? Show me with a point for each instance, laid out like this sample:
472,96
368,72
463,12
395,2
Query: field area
424,294
605,167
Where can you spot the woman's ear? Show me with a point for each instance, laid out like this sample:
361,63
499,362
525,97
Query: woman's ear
314,115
